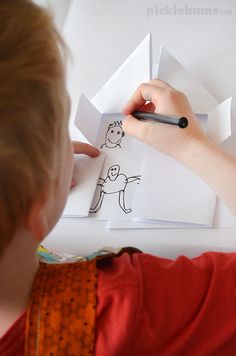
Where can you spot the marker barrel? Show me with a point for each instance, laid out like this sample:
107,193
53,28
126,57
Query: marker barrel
182,122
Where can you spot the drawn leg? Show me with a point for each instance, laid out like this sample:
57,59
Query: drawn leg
122,202
99,203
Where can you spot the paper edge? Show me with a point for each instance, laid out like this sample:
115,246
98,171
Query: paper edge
192,77
95,116
124,63
227,103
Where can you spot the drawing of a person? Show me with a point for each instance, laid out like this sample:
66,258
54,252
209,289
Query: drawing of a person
114,135
115,182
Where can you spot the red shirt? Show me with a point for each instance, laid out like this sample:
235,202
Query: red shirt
155,306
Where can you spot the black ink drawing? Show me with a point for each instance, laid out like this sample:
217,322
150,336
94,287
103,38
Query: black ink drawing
114,135
115,182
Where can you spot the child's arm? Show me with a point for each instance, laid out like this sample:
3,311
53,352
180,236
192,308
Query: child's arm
189,145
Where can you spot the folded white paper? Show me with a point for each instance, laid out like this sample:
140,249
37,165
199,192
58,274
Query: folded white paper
219,122
86,174
112,97
170,192
172,72
139,186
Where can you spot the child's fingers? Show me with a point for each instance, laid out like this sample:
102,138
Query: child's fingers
85,148
135,127
145,92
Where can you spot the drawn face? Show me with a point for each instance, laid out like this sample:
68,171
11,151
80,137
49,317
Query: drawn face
113,172
114,134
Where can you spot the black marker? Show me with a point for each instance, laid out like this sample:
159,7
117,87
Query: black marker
150,116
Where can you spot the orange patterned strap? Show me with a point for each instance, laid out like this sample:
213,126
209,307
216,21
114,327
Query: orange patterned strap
61,312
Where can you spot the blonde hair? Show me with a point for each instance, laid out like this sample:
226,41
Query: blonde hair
33,109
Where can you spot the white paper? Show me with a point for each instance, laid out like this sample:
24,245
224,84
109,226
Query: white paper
172,72
148,188
94,125
88,119
87,171
223,216
120,87
135,224
120,176
219,122
171,192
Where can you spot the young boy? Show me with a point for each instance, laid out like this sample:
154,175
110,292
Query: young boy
131,304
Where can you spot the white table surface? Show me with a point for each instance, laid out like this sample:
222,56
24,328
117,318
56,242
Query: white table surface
101,34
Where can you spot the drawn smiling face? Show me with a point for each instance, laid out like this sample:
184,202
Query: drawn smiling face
114,134
113,172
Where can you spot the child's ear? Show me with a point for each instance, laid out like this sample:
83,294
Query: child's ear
36,221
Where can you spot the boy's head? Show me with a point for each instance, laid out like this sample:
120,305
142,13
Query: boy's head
115,132
35,151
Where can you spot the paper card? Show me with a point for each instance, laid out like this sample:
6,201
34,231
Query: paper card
172,72
168,192
136,224
120,87
116,189
86,172
111,137
119,179
219,122
95,127
223,216
171,192
88,119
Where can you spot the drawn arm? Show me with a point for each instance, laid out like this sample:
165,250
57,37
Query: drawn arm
133,179
100,182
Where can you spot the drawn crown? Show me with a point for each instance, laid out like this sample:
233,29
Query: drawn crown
115,124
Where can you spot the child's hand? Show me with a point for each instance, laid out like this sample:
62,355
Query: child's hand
188,145
86,149
162,98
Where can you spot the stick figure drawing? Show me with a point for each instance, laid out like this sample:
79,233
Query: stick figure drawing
115,182
114,135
